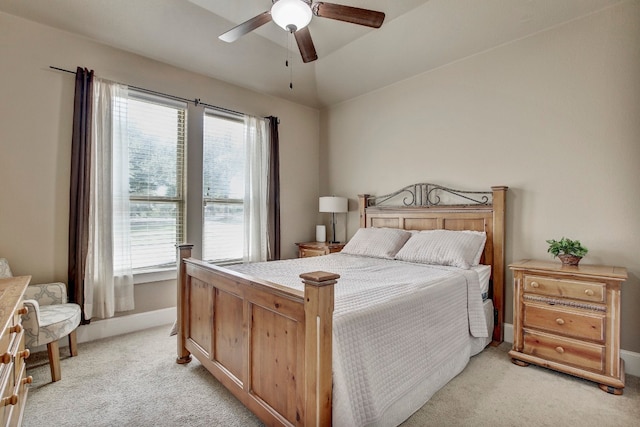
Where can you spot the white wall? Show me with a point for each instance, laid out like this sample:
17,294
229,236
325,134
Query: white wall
555,116
35,144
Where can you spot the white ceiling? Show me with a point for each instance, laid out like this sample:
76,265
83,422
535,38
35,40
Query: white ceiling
417,36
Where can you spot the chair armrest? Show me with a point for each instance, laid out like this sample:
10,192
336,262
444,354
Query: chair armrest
47,293
31,323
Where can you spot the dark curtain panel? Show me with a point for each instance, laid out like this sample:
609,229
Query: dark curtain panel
79,191
273,217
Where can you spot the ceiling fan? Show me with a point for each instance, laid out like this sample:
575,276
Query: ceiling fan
295,15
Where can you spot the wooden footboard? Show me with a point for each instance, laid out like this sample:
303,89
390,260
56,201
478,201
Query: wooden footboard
269,345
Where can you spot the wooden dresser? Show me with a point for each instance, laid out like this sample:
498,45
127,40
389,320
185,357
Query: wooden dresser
13,380
309,249
567,318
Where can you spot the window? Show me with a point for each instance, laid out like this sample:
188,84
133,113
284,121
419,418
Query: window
156,134
224,155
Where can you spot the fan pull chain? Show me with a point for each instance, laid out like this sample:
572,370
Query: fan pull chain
291,77
289,37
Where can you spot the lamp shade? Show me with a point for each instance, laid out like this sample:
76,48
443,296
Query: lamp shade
334,204
292,15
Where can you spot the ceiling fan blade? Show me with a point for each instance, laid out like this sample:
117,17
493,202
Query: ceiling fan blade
305,44
246,27
354,15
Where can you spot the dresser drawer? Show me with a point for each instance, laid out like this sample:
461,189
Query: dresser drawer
8,399
566,321
564,350
582,290
19,355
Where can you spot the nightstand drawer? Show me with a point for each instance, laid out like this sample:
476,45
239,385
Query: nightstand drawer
308,252
582,290
564,350
309,249
566,321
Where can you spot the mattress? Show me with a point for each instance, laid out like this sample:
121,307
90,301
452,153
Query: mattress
400,330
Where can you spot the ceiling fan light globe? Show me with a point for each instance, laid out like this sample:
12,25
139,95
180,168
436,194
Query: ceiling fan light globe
291,13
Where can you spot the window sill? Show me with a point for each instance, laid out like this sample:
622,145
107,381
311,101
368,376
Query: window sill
158,275
161,274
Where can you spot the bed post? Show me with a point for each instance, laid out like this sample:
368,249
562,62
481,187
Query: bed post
363,201
318,312
184,251
499,206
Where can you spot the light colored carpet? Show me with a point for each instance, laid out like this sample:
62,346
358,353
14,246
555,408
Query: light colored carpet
133,380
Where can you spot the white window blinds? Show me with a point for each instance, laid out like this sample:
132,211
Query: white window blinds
224,160
156,131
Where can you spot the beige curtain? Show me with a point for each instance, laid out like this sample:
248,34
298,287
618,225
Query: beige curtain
108,274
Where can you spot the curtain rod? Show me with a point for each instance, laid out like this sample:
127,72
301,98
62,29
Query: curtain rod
195,101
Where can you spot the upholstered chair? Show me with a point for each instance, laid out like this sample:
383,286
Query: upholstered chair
49,318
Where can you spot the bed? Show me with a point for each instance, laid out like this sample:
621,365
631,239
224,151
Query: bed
343,350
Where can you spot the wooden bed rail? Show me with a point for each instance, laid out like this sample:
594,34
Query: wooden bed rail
498,265
184,252
318,296
269,345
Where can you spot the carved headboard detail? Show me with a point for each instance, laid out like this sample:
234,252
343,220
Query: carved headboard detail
426,194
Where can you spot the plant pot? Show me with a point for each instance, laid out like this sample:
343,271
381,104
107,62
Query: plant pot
569,259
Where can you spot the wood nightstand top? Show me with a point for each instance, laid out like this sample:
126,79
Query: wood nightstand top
581,269
320,245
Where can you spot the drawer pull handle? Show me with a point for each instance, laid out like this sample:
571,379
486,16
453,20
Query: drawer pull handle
560,349
27,380
10,400
22,310
560,321
24,353
5,359
535,284
15,329
588,292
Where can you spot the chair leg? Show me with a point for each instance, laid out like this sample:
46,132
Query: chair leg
54,360
73,343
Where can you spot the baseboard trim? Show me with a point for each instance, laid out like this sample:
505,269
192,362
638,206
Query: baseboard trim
105,328
508,332
631,358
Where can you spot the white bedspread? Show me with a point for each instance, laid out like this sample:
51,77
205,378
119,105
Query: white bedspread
400,331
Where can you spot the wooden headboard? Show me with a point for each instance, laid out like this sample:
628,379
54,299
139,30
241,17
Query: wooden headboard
427,206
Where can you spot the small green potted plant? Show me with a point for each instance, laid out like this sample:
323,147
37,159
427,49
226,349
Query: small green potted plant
569,251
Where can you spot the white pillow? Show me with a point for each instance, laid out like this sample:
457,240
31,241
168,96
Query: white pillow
376,242
461,249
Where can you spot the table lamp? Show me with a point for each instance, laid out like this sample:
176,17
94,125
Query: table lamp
334,205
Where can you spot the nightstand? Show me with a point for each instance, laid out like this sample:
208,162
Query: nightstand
567,318
308,249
